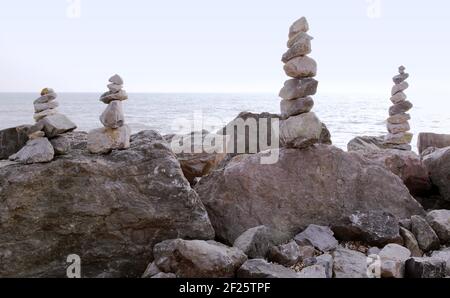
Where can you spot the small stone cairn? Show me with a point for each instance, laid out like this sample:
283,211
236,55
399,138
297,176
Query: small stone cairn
299,127
115,135
398,126
49,125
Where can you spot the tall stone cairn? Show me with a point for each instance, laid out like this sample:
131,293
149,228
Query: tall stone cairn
398,126
299,127
115,135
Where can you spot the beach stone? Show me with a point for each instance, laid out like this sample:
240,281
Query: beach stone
376,228
61,145
327,261
314,271
43,114
104,140
109,209
366,143
256,242
114,88
411,243
443,255
425,268
35,151
301,25
300,48
425,235
427,140
439,220
286,254
36,135
198,258
398,98
299,88
297,190
393,258
301,67
112,96
40,107
259,268
320,237
349,264
56,124
294,107
46,98
398,128
113,116
400,78
399,138
116,79
299,37
399,118
399,88
400,108
438,165
12,140
300,131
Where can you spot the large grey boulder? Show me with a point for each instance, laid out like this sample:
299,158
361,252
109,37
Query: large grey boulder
259,268
349,264
427,140
320,237
425,235
12,140
439,220
198,258
38,150
110,210
438,165
321,185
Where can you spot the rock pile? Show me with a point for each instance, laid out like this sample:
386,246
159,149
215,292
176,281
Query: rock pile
398,127
300,127
49,124
115,134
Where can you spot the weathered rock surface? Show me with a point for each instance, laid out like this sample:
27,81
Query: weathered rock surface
110,210
411,243
320,237
425,235
295,88
438,165
400,108
427,140
12,140
301,47
38,150
294,107
301,67
321,185
286,254
327,261
104,140
259,268
113,116
366,143
393,258
425,268
439,220
349,264
198,259
376,228
314,271
299,26
443,255
300,131
56,124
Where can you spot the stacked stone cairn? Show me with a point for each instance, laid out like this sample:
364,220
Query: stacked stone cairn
49,125
115,135
398,127
299,127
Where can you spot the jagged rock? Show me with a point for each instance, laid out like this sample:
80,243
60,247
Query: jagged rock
259,268
443,255
325,136
301,67
294,107
256,242
400,108
318,236
327,261
411,243
427,140
425,268
377,228
393,258
300,131
439,220
299,26
438,165
113,116
39,150
286,254
295,88
110,210
12,140
56,124
314,271
104,140
198,259
303,187
426,237
349,264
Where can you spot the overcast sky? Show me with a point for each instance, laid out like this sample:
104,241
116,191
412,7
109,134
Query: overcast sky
221,46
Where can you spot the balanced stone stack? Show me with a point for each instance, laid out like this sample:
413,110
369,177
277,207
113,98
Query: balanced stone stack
49,124
116,134
299,127
398,126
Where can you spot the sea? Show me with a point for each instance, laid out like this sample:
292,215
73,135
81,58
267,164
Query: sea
346,116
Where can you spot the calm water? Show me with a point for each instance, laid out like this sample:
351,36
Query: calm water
345,116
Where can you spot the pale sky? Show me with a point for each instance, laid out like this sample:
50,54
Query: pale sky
221,46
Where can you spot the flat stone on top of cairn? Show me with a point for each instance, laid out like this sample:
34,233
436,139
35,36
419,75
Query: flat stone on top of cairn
299,127
115,135
398,126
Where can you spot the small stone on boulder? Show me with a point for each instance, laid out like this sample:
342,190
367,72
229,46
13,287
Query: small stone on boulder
318,236
104,140
39,150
